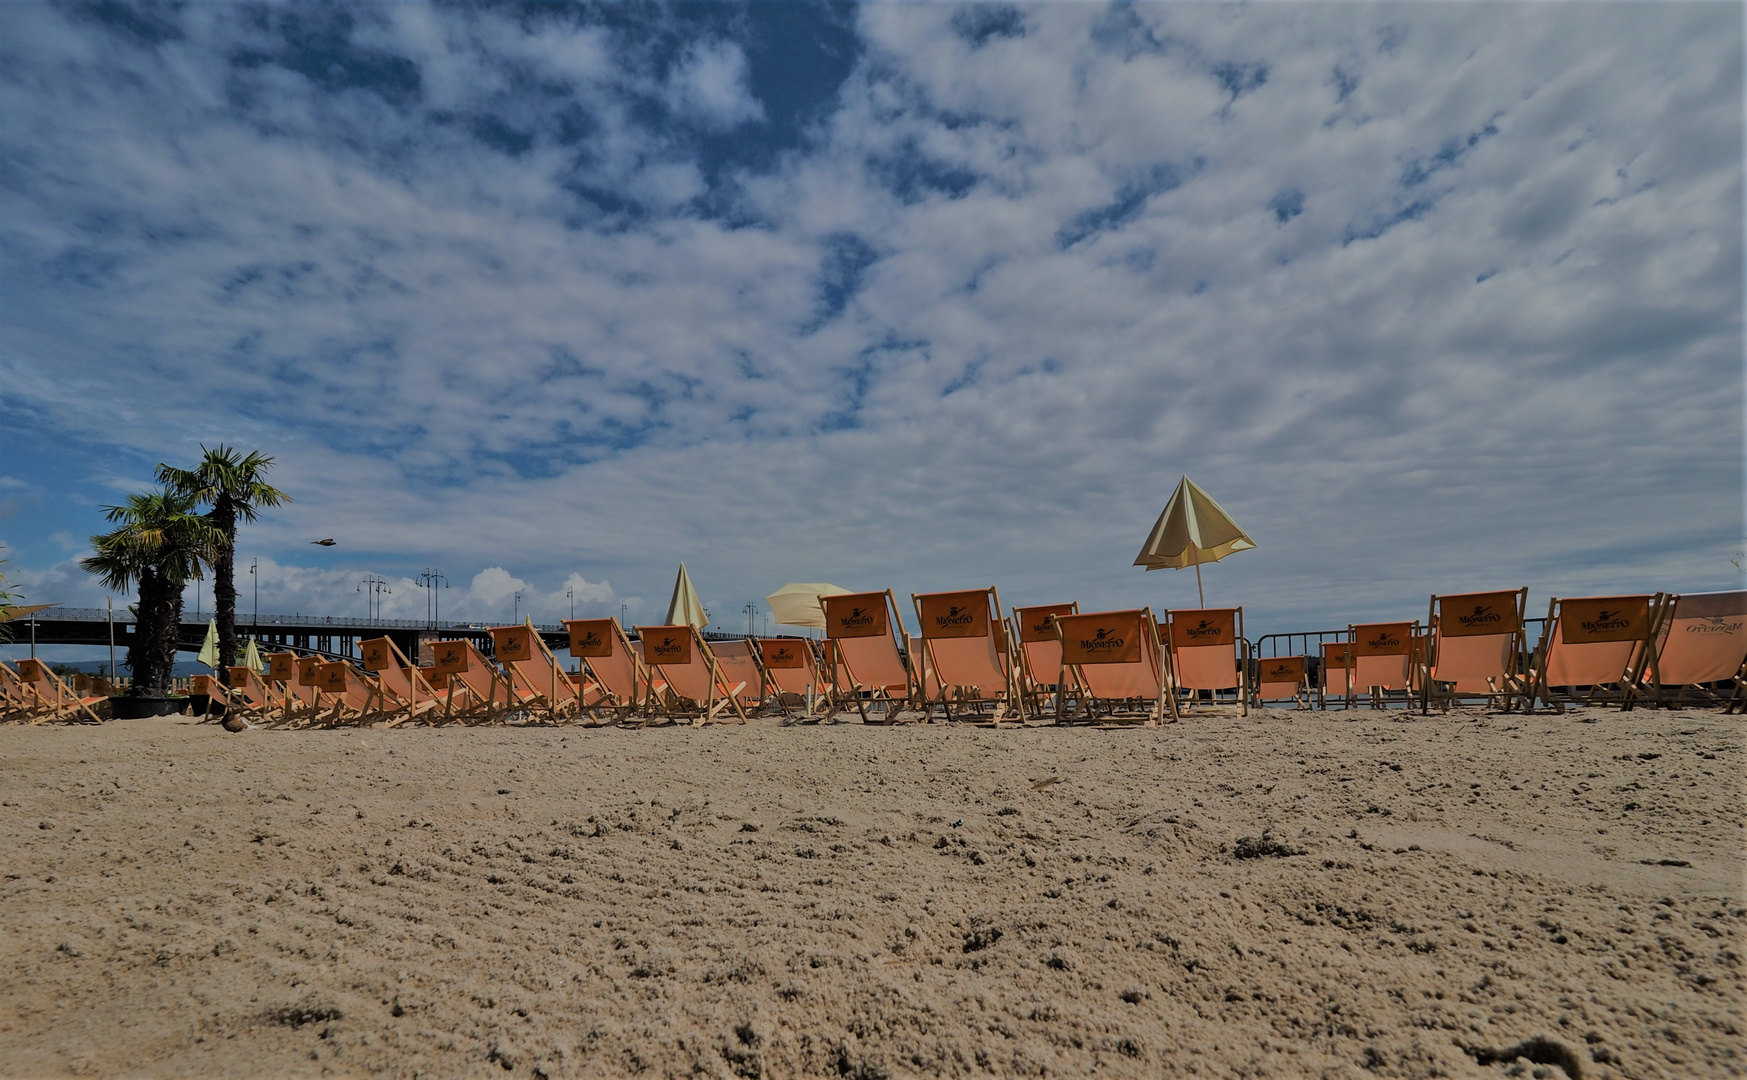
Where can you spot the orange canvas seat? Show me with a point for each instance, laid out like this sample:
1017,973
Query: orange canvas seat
347,693
1282,678
1593,642
217,694
539,682
696,687
1040,655
1116,664
1208,652
613,661
250,696
964,657
475,689
17,700
740,667
1701,642
1382,655
861,642
1474,648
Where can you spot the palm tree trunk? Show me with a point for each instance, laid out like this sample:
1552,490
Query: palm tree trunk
224,588
153,654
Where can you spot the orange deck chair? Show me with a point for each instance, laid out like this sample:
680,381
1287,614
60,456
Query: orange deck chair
408,694
612,661
216,694
54,699
740,666
861,653
1116,664
1282,678
1209,652
251,697
965,656
1040,655
791,669
696,687
290,696
1596,642
534,673
1474,648
476,690
1701,641
1336,682
1383,655
350,695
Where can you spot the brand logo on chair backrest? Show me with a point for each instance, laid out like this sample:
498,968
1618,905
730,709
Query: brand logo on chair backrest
1038,623
1715,624
666,644
282,667
1383,639
1193,629
1595,619
513,644
1283,669
375,654
309,670
781,653
449,657
333,677
1477,614
855,615
1111,637
955,615
590,637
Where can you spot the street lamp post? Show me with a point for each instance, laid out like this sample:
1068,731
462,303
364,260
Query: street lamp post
751,610
428,580
254,564
516,608
570,594
373,586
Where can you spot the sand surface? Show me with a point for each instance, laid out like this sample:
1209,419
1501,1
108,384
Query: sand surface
1284,895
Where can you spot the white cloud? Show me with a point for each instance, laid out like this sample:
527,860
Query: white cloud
1429,297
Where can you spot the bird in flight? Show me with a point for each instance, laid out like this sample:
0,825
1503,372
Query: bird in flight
329,542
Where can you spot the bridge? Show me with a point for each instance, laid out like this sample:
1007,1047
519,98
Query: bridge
332,636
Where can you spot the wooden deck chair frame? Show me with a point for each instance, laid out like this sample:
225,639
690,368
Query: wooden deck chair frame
55,700
1038,668
353,697
1329,652
668,651
476,691
966,615
534,672
304,701
1381,642
779,655
1458,624
847,683
215,691
1630,622
1292,671
1087,638
1700,623
595,641
1224,629
406,693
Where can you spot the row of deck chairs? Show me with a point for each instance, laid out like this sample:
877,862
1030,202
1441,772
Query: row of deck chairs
32,693
1661,649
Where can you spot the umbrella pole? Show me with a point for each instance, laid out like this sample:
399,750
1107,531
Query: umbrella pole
1201,595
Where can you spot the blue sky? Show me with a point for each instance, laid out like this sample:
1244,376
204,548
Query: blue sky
1430,297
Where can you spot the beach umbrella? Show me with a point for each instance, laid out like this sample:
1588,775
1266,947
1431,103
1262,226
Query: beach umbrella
685,607
1193,529
209,647
252,657
797,603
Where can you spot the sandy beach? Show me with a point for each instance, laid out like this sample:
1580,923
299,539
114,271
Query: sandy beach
1283,895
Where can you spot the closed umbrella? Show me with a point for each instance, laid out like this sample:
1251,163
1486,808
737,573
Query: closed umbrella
209,648
1193,529
252,657
685,607
797,603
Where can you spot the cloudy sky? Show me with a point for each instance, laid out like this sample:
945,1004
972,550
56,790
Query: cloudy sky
1430,297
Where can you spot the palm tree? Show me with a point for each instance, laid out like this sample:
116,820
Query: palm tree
160,545
235,485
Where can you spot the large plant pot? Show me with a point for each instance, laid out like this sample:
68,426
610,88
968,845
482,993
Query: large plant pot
203,705
129,707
